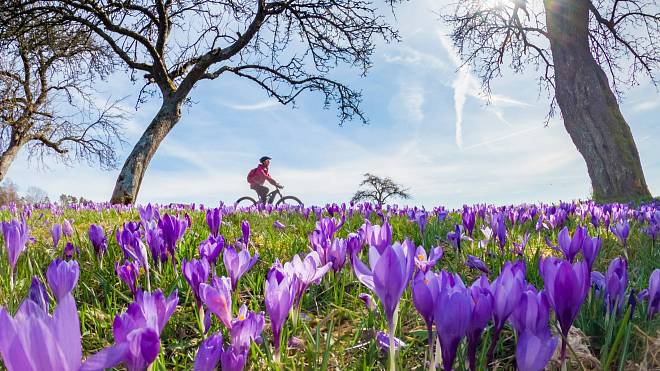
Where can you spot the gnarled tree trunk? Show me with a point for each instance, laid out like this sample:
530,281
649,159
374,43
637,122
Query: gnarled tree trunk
8,156
589,108
130,177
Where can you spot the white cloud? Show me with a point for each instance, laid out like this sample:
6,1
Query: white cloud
647,105
408,104
263,105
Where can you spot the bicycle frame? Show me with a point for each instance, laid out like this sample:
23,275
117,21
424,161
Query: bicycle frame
270,198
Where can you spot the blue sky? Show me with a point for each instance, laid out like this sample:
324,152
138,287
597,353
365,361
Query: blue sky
430,130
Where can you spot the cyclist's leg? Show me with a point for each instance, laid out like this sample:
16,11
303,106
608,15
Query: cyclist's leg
262,191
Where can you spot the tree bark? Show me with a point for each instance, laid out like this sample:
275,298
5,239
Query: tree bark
589,108
130,177
7,157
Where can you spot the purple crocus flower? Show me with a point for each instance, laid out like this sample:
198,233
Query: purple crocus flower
245,229
237,263
425,294
482,311
69,250
137,333
621,231
377,236
172,229
616,282
455,237
129,242
570,246
211,248
468,218
388,274
195,272
328,227
148,213
280,292
246,327
33,340
421,218
590,249
278,225
368,301
214,220
129,273
56,233
67,229
653,293
62,277
499,228
209,352
452,315
566,286
506,289
233,359
534,350
383,341
217,298
38,294
336,254
353,244
98,239
307,271
476,263
488,235
154,238
423,262
532,312
519,248
653,230
16,235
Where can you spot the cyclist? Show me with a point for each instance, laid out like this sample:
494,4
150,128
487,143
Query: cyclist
258,176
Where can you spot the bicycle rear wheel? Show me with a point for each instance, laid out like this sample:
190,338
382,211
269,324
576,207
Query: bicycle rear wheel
246,201
289,201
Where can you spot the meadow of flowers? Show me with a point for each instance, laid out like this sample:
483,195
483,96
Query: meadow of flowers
572,285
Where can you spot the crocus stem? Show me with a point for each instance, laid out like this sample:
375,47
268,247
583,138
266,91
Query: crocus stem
395,318
392,367
429,329
276,340
11,280
473,342
200,319
148,280
562,360
493,344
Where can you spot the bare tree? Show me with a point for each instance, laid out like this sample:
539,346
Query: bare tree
8,193
586,52
285,47
36,195
45,106
379,190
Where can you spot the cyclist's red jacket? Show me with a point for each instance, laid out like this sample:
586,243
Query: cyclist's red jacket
258,175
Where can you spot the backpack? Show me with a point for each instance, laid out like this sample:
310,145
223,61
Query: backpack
251,174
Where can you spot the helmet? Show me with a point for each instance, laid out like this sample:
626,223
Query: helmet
264,158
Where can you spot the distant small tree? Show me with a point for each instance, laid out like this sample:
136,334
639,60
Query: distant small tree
66,200
8,193
379,190
36,195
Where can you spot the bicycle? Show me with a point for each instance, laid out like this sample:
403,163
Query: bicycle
248,201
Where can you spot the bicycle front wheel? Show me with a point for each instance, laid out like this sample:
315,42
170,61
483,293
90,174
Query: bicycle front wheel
289,201
243,202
